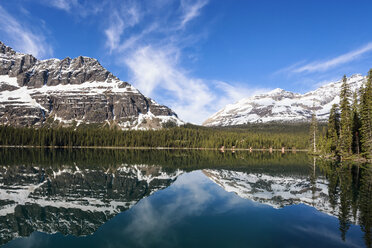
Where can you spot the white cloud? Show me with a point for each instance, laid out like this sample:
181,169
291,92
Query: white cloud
238,92
65,5
334,62
156,73
114,31
22,38
119,21
191,10
80,8
132,42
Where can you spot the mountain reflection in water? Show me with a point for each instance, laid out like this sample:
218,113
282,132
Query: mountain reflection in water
76,192
71,200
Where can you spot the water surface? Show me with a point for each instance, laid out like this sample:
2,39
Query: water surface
135,198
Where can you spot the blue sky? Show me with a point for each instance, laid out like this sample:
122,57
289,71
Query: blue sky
196,56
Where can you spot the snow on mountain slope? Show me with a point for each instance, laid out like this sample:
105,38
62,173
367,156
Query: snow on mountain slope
283,106
79,90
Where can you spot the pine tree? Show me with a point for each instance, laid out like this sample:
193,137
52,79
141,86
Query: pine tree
346,137
355,124
333,130
366,116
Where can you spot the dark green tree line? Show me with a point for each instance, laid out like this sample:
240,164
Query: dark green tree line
178,137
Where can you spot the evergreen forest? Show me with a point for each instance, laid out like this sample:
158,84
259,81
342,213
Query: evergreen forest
276,136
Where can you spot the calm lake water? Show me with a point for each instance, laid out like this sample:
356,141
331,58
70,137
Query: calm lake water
147,198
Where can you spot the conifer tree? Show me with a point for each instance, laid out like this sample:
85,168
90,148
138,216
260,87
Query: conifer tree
333,130
346,137
366,116
355,124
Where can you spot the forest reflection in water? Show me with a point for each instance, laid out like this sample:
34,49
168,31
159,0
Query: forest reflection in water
75,192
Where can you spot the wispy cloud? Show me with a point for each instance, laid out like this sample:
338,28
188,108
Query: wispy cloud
22,37
133,41
121,18
321,66
76,7
65,5
156,72
153,52
236,92
191,10
114,31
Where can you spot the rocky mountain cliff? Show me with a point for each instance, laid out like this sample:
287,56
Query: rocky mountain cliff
283,106
70,92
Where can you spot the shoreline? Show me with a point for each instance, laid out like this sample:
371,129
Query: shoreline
360,160
156,148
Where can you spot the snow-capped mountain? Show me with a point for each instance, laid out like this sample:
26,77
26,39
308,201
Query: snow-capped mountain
283,106
71,200
34,92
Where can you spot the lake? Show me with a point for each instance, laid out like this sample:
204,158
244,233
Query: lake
174,198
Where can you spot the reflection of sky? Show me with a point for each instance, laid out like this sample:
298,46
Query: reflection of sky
195,212
190,195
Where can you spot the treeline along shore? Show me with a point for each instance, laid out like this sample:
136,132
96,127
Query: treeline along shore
273,136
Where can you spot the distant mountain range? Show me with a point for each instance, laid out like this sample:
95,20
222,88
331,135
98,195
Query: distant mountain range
283,106
70,92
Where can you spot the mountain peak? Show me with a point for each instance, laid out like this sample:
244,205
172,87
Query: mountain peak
5,49
80,90
276,91
357,75
279,105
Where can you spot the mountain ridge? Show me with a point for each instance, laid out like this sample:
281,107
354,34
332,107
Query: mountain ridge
279,105
72,91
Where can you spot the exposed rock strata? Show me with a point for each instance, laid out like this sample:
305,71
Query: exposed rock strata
71,91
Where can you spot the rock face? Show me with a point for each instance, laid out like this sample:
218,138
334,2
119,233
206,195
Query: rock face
35,92
283,106
71,200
